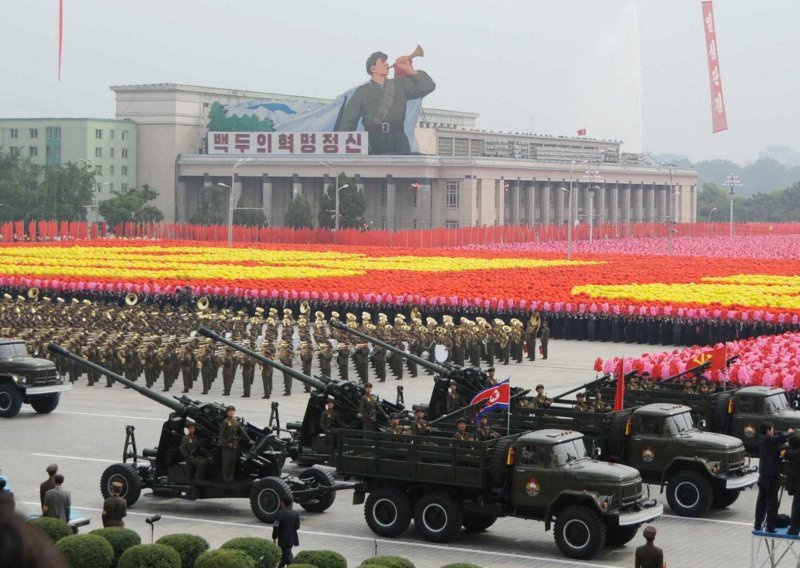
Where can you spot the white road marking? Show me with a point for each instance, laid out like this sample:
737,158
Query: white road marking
74,458
108,415
721,521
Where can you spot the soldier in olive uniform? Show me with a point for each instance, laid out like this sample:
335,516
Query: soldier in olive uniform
329,421
581,405
229,364
343,360
484,431
266,370
325,358
193,453
207,367
115,508
461,431
687,387
369,409
286,357
454,400
541,398
248,373
186,362
530,340
378,360
420,426
395,427
361,361
230,433
306,358
599,405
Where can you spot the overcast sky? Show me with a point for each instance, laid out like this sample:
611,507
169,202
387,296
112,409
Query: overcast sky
631,70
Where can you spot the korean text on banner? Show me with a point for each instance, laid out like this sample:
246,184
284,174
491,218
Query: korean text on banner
719,121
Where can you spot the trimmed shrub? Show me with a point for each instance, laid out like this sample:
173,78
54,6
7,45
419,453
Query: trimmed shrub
86,551
120,539
188,546
55,529
461,565
388,562
225,558
321,559
150,556
256,548
296,565
371,566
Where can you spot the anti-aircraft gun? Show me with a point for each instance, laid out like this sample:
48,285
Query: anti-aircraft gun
164,469
307,446
469,380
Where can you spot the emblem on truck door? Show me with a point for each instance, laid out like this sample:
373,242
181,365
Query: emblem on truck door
648,455
749,430
532,488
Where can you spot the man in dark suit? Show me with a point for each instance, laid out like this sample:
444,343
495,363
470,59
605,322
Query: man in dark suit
793,482
649,555
284,531
57,501
769,447
48,484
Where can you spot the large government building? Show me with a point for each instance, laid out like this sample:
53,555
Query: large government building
462,176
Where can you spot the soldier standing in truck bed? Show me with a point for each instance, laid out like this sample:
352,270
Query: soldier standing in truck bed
230,433
369,409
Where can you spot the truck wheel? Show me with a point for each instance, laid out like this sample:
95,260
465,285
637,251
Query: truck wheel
319,478
437,517
579,532
45,403
724,497
265,498
128,475
477,523
689,494
388,511
719,413
616,434
10,401
498,462
620,536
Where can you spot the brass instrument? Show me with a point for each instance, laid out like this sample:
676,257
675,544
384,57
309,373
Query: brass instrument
418,52
203,304
131,299
304,307
33,293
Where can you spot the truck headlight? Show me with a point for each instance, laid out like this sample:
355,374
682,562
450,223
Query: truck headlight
715,468
19,379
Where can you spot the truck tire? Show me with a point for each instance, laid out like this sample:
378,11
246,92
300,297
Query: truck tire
619,536
437,516
10,400
724,497
128,475
719,413
320,478
477,523
45,403
616,435
579,532
388,511
689,493
265,498
497,463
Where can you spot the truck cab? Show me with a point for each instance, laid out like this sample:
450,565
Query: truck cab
751,406
26,379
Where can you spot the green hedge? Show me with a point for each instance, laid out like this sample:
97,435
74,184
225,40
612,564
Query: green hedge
188,546
296,565
256,548
55,529
461,565
120,539
86,551
388,562
150,556
225,558
321,559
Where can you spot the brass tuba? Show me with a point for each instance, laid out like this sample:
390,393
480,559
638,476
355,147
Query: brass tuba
304,307
33,293
131,299
203,303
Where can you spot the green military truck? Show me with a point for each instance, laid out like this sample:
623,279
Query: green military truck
28,380
445,485
737,412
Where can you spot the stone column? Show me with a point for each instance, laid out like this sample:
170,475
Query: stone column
662,210
515,190
613,206
499,202
626,203
530,204
600,199
266,198
391,204
650,201
544,209
297,186
423,210
638,199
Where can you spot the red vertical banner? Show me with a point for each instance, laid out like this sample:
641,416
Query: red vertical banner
718,119
619,399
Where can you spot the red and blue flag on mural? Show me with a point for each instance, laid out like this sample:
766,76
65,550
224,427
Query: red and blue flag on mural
495,397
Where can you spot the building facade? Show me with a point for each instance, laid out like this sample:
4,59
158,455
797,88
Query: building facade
463,176
108,146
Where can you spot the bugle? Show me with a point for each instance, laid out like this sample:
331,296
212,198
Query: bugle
418,52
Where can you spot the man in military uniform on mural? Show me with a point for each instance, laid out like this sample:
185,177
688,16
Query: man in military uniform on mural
230,432
380,105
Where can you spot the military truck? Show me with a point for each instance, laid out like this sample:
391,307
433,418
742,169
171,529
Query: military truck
165,470
445,484
28,380
737,412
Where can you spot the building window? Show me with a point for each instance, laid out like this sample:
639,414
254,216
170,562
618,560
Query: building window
53,133
478,195
124,188
34,133
98,152
444,146
33,151
98,133
453,194
14,133
451,224
476,147
111,134
124,134
124,170
14,151
124,151
461,147
98,170
111,170
111,152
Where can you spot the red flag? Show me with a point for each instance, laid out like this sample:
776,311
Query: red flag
495,396
619,399
719,120
582,132
718,357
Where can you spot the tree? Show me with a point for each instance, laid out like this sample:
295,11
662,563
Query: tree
299,214
352,205
210,206
249,217
131,206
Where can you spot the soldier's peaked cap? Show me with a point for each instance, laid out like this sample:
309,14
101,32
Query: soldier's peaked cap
373,59
230,407
460,420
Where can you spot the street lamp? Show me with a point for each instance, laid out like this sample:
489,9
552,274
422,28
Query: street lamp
732,181
230,187
336,198
709,214
592,176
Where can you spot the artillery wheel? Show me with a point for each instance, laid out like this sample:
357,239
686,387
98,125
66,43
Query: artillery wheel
128,475
689,494
724,497
320,478
10,401
45,403
579,532
477,523
388,511
265,498
437,516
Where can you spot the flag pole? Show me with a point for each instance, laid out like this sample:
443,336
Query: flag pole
508,417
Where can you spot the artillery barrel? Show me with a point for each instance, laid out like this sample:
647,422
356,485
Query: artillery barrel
319,384
443,371
145,391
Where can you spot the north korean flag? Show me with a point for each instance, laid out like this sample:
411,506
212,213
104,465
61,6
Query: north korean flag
495,397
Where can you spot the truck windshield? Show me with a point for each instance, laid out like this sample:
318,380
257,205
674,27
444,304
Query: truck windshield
569,451
775,403
13,350
679,423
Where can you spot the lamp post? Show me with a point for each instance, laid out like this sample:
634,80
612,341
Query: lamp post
337,189
709,214
230,187
592,176
732,181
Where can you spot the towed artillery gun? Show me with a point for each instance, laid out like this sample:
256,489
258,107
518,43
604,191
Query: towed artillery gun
307,447
163,469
